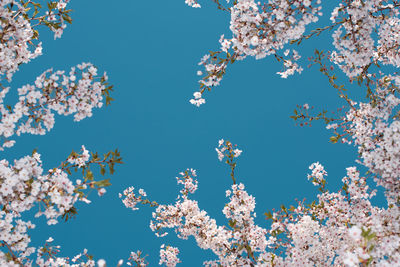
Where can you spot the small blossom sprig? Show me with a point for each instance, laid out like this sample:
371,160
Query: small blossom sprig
317,175
189,182
215,64
131,199
229,151
77,162
83,163
137,259
169,256
303,114
290,65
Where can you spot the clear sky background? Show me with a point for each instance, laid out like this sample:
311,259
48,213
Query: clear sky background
150,50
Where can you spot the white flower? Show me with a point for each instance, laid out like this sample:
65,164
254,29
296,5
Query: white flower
355,233
101,263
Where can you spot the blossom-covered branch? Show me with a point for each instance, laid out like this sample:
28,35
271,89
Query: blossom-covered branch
24,186
74,93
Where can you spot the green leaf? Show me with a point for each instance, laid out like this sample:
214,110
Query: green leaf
103,183
334,139
268,215
89,175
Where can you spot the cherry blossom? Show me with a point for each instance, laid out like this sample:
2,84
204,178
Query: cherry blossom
341,228
19,37
168,255
24,185
258,30
75,93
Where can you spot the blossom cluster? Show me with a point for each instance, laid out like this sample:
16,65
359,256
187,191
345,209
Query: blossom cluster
374,128
189,182
131,199
318,173
137,259
356,47
24,185
341,228
226,149
168,255
18,38
290,65
74,93
259,30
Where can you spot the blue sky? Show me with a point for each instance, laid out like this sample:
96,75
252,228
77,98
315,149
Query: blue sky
150,50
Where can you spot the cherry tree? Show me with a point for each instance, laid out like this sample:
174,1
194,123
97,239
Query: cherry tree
24,185
342,228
